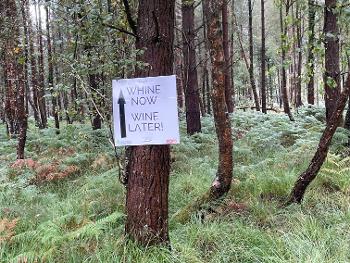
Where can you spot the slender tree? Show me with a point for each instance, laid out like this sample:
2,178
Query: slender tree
251,56
222,182
51,69
317,161
332,63
227,55
41,72
284,47
192,98
263,59
311,56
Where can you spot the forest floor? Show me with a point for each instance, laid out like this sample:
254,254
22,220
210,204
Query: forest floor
66,203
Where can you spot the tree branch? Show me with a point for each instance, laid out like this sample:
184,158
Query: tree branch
119,29
131,21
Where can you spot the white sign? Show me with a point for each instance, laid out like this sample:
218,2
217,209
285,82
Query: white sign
145,111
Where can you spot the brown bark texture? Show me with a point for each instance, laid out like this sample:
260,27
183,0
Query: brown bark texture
317,161
222,182
332,73
148,167
192,98
14,72
227,56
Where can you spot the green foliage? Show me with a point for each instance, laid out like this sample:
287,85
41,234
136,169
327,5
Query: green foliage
81,218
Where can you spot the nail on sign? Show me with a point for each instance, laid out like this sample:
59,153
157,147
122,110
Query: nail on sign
145,111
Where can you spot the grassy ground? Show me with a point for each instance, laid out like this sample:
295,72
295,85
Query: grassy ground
69,205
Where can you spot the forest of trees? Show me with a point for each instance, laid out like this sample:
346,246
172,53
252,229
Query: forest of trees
269,57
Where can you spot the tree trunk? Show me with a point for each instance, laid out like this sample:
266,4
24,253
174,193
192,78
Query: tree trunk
298,99
41,90
14,72
311,56
251,57
51,71
222,182
284,46
332,73
317,161
227,56
179,57
263,59
148,167
190,70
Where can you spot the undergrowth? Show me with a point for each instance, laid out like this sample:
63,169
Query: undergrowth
67,205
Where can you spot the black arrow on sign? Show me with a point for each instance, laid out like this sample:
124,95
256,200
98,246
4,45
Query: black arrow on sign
121,102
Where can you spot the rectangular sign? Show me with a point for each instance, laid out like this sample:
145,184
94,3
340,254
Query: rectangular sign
145,111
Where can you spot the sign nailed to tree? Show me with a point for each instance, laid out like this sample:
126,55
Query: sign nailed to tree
145,111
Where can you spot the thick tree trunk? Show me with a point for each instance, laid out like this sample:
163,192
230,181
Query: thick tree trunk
317,161
14,73
192,99
311,56
284,32
251,57
226,46
222,183
148,167
263,59
332,73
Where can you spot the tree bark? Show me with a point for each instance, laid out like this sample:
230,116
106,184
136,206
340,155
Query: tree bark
251,57
317,161
222,182
41,88
227,56
298,99
284,32
148,167
192,98
15,80
51,71
263,59
332,73
311,56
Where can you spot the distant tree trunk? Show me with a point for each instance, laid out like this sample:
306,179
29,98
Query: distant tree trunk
148,167
263,59
192,99
179,72
226,46
311,56
332,73
41,92
222,182
51,71
251,57
34,74
94,86
298,100
284,32
317,161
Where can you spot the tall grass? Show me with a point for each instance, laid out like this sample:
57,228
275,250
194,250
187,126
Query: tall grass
81,218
